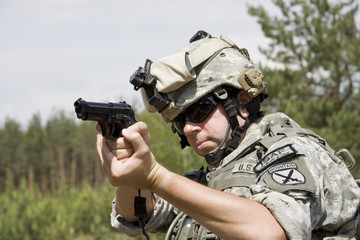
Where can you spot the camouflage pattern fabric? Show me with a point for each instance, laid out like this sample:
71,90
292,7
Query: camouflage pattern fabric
163,215
310,193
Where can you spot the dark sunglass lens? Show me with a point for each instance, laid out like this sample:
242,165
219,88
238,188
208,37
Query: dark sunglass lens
200,112
195,113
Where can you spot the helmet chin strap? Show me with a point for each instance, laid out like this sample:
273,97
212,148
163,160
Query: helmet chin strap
231,106
219,153
236,135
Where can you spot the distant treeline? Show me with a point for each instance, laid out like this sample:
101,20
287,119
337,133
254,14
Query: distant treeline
62,152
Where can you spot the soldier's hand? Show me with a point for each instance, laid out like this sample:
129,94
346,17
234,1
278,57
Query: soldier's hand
128,161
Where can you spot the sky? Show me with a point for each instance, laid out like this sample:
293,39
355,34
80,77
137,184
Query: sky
54,51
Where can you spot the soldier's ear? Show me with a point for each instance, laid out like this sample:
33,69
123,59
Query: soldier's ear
243,97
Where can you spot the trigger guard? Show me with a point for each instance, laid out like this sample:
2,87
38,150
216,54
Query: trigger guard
116,131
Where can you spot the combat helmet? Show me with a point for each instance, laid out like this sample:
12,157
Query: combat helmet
207,65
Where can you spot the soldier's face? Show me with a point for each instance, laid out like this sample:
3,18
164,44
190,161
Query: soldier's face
206,136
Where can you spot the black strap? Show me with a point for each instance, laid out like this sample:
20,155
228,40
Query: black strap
229,104
234,140
140,212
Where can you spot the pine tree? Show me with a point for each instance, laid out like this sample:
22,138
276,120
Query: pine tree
313,66
34,148
11,152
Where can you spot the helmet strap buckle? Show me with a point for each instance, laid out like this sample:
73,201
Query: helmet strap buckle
236,136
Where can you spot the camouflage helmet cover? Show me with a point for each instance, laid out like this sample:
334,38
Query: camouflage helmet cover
200,68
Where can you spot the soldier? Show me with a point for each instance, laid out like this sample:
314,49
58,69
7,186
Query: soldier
266,176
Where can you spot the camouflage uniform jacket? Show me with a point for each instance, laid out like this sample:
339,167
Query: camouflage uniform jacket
291,171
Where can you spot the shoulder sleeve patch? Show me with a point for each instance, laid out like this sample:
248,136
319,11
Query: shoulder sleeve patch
276,156
287,174
290,175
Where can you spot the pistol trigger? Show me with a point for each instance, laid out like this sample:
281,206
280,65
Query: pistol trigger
112,130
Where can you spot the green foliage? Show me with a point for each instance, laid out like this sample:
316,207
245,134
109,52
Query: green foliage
74,214
313,66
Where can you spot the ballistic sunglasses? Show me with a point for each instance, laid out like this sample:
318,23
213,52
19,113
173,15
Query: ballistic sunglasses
196,113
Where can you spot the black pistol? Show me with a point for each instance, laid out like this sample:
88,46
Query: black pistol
112,117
